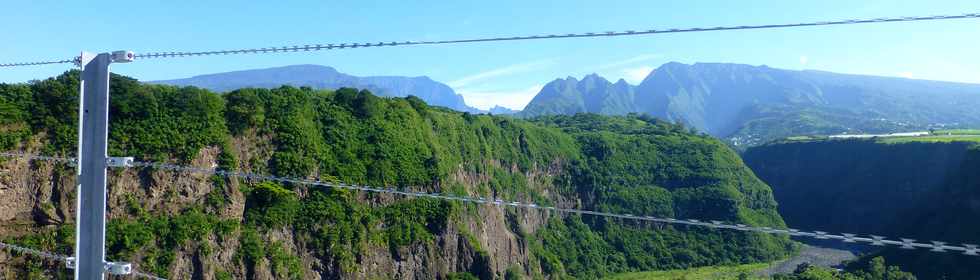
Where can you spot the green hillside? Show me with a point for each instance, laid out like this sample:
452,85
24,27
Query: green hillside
246,229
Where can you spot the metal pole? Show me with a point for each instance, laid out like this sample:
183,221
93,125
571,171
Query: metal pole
93,119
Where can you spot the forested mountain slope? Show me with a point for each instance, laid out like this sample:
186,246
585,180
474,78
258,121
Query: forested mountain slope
923,191
204,227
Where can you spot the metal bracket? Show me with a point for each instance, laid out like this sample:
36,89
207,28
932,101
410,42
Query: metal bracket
123,56
119,161
115,268
119,268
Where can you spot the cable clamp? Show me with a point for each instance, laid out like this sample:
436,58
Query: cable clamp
119,268
119,161
971,249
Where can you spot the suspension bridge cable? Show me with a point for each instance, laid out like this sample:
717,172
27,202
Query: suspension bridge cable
61,258
904,243
36,63
34,252
139,274
320,47
29,156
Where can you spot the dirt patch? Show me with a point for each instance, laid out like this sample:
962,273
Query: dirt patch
819,256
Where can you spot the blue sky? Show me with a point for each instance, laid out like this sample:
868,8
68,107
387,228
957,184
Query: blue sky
508,73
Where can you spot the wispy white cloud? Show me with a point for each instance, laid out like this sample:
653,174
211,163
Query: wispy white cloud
804,60
502,71
514,99
906,74
629,61
636,75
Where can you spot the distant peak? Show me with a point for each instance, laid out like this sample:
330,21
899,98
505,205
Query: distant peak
306,66
593,76
566,80
673,65
497,109
729,65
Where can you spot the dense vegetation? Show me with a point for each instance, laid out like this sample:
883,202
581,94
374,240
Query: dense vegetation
919,190
633,164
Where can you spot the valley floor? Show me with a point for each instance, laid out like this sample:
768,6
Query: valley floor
701,273
826,257
819,256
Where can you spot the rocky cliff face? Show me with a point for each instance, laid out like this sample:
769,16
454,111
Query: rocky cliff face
33,194
38,197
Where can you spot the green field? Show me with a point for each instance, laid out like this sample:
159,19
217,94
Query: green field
958,132
931,139
938,136
700,273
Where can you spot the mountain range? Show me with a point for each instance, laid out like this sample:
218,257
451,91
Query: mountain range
749,105
742,104
325,77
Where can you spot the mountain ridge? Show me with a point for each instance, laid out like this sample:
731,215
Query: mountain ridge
745,105
326,77
749,105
